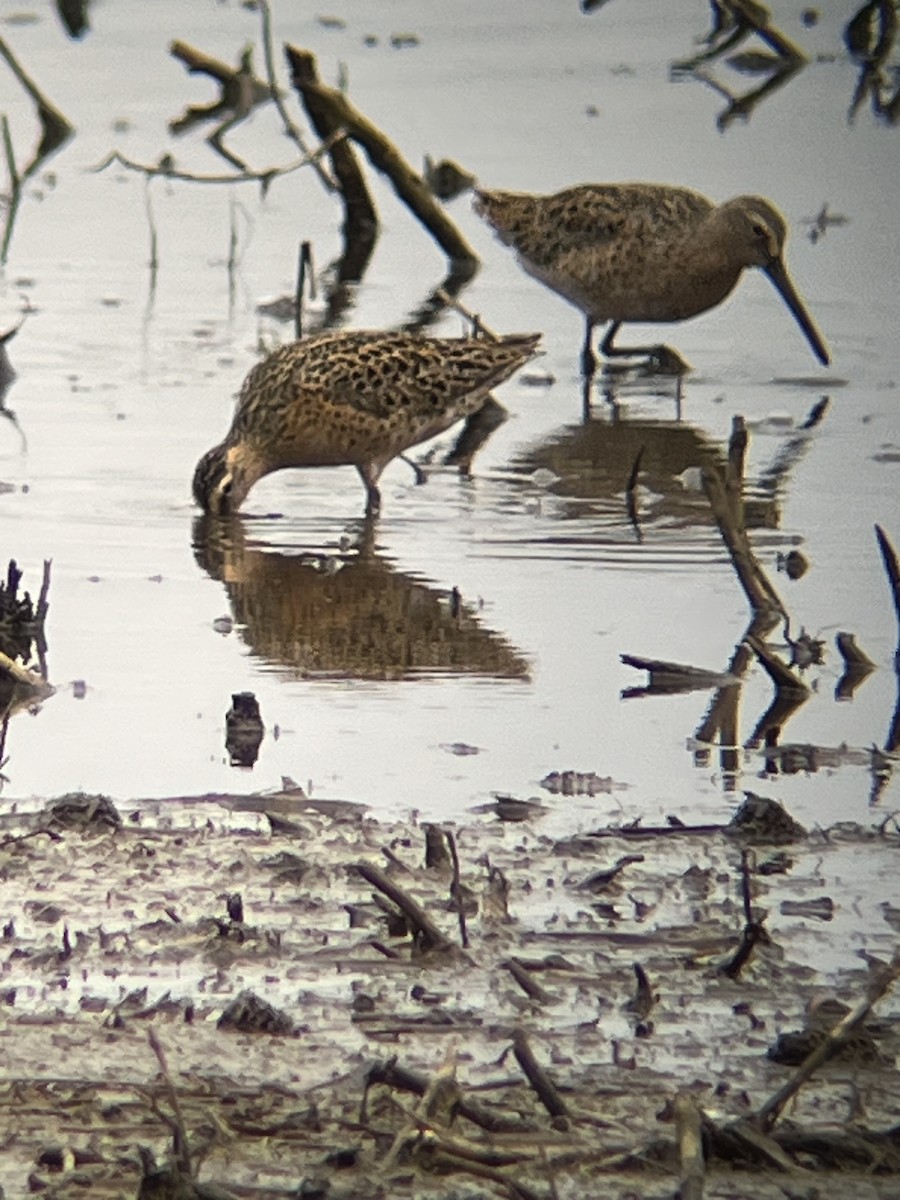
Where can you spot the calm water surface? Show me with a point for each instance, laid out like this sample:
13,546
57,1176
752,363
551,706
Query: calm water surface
369,687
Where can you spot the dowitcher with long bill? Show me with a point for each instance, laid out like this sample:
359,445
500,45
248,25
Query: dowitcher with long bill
644,252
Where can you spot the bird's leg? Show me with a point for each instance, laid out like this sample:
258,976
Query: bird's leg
661,358
588,358
478,427
370,473
417,470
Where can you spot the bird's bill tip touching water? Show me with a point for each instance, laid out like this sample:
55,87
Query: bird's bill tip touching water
777,272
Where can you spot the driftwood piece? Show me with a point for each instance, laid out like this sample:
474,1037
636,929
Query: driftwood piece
780,674
240,90
426,934
527,983
360,216
857,666
384,156
390,1074
763,598
721,718
543,1085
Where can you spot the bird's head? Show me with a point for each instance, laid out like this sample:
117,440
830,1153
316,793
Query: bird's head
757,229
220,482
758,233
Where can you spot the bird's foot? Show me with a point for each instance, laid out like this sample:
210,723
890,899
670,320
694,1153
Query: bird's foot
420,475
478,427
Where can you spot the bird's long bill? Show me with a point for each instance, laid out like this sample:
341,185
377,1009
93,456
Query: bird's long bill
777,272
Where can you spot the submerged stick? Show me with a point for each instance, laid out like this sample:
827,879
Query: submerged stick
55,132
392,1075
479,329
852,654
529,986
383,155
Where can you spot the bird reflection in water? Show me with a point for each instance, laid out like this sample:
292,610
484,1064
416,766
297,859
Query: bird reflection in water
591,463
349,614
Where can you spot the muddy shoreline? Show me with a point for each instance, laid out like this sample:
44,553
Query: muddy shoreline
607,954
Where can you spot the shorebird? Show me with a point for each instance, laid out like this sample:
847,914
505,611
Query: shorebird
644,252
354,398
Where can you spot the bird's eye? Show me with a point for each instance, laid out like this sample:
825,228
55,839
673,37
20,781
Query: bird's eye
759,230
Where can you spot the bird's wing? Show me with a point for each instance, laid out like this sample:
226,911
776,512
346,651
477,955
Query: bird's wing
379,374
542,228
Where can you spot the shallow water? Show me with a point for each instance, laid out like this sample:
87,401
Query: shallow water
122,384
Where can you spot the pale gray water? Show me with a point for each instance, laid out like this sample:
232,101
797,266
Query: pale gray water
119,392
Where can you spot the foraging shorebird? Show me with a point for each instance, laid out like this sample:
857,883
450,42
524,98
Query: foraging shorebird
354,398
644,252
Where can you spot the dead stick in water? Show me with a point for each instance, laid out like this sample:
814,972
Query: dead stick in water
359,207
479,329
239,87
456,892
780,674
643,999
422,925
304,265
763,598
529,986
537,1076
891,566
384,156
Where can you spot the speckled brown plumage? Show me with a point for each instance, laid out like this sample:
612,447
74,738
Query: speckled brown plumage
356,398
644,252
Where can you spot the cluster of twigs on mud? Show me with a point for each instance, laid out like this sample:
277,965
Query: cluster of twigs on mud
447,1130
